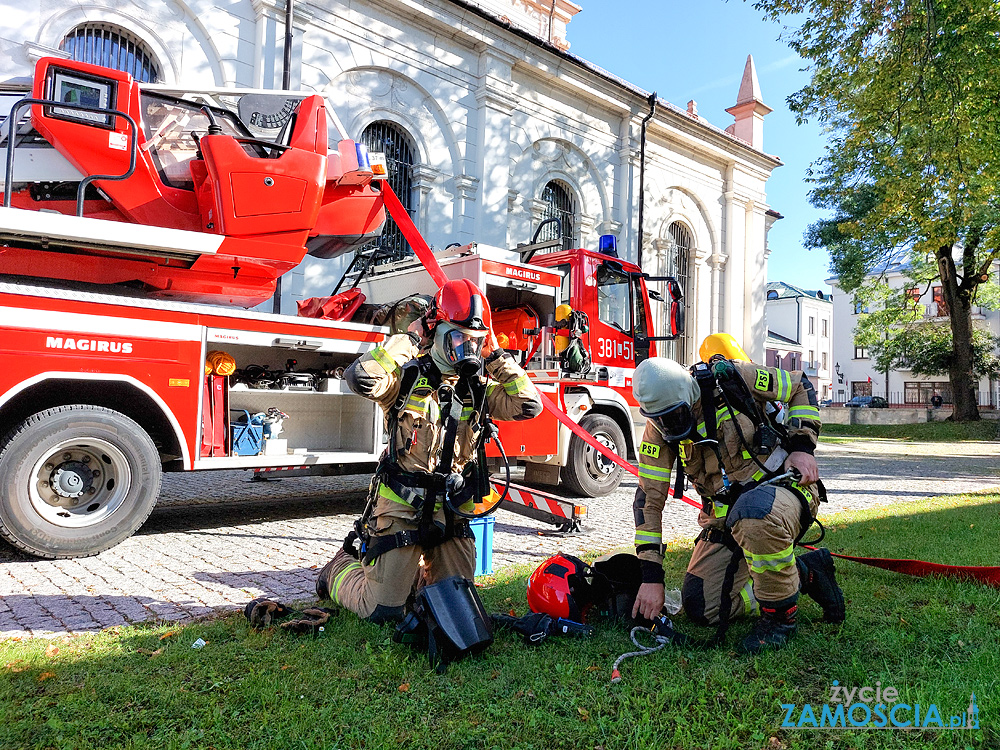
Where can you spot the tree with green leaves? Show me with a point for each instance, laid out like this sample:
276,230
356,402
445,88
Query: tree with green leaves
907,91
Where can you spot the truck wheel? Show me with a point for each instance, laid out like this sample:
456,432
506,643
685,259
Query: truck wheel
587,471
76,480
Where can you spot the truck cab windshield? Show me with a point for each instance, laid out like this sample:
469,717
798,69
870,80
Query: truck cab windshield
613,299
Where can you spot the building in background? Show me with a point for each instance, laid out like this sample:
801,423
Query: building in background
800,333
489,124
855,370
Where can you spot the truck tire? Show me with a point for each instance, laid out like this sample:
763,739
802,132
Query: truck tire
588,472
76,480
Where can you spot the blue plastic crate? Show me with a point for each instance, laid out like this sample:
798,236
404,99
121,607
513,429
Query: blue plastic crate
483,529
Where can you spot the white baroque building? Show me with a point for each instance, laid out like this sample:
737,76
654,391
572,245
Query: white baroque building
490,124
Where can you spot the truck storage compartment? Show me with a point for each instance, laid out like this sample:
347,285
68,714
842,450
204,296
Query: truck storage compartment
335,421
324,424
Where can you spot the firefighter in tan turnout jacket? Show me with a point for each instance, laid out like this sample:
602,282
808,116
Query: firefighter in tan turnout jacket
743,562
436,403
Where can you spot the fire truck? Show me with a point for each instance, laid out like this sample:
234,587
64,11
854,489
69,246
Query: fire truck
138,223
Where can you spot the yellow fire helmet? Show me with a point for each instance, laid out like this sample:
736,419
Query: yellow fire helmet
721,344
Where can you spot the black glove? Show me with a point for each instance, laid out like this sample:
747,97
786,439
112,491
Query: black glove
307,621
261,613
349,544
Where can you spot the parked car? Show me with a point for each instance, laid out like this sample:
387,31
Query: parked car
868,402
826,402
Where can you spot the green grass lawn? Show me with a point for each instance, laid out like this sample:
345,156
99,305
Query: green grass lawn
937,432
934,640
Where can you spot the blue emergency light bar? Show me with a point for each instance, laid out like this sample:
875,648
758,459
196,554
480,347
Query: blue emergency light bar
607,244
362,152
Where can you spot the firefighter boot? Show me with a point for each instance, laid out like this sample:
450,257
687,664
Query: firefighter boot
775,626
817,580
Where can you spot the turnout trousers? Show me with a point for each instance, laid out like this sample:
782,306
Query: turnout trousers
747,557
378,591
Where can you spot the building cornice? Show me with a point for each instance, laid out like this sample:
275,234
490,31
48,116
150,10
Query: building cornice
302,15
464,22
35,51
675,114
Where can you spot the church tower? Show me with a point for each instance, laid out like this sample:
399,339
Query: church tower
749,109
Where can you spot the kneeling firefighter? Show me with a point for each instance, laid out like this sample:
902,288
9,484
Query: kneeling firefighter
760,491
438,407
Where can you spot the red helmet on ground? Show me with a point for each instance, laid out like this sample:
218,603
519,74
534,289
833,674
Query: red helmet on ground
562,586
462,303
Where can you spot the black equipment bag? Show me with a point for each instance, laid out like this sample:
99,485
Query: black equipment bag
620,577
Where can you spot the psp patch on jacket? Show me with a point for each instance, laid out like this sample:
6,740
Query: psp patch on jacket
763,382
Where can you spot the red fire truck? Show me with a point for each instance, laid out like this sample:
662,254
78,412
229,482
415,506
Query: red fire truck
135,207
526,298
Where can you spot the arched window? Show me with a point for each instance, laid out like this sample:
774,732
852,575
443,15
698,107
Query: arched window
387,138
559,204
677,264
772,294
112,47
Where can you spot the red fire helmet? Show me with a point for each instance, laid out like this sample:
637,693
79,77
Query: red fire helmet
561,587
463,304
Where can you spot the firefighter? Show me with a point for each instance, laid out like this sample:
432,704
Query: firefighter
437,406
712,421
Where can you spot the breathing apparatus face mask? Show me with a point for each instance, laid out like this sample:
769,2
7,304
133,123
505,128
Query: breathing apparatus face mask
457,350
449,620
667,394
676,422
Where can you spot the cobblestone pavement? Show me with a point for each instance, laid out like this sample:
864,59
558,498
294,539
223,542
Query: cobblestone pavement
216,541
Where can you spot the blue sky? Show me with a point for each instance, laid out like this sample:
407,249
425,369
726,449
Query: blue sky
697,49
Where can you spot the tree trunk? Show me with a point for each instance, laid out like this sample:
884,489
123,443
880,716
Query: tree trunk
960,373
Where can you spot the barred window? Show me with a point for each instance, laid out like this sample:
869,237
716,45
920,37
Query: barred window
112,47
559,205
677,264
391,140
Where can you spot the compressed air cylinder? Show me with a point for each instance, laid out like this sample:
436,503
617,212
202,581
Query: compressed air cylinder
563,315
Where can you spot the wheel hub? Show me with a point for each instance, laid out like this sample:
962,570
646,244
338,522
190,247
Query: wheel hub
600,464
72,479
79,482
